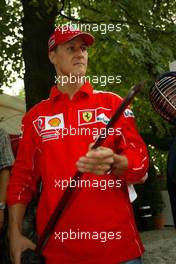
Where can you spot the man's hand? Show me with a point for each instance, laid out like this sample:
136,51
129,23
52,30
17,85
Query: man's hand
1,218
120,164
18,244
100,160
97,161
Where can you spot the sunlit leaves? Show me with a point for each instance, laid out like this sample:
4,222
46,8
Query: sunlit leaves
10,41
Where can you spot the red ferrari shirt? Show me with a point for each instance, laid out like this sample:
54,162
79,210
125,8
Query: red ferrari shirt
97,227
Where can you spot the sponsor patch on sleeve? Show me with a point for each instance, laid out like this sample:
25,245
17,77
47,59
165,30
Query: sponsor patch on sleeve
128,113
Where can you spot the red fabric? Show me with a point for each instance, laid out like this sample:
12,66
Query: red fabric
92,209
66,33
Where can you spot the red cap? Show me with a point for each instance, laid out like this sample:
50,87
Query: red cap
66,33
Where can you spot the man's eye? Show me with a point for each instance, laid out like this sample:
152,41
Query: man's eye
71,48
84,48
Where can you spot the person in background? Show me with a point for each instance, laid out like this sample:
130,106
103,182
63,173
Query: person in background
171,178
6,162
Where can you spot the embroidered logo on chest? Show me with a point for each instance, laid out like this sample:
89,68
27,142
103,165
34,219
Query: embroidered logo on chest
48,124
91,116
87,116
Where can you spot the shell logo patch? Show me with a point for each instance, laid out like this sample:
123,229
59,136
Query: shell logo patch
87,116
48,124
54,122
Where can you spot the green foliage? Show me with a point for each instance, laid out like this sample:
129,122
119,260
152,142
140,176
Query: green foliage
10,41
148,121
141,50
160,163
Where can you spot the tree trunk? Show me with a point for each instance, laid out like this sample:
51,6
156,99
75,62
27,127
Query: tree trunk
38,24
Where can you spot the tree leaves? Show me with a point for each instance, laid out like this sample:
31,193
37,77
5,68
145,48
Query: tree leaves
10,41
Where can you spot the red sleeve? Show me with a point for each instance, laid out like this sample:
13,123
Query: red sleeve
23,179
133,147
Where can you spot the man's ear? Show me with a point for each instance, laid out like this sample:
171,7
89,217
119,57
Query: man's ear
51,56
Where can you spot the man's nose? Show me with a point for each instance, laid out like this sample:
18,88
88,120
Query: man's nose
79,52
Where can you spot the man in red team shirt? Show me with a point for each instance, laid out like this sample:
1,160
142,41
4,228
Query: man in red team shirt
98,225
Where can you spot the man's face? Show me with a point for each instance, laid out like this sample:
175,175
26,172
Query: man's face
70,58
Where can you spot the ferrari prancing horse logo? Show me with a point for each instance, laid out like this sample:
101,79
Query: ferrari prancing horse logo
87,116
